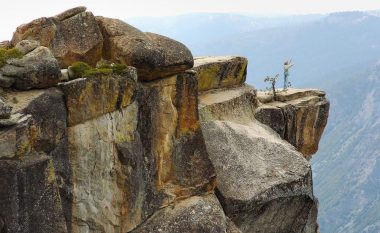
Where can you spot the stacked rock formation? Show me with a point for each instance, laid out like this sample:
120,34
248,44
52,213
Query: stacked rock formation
160,147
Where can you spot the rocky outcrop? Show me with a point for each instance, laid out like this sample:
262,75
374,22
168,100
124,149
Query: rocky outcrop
88,98
72,36
37,69
154,148
195,214
262,179
76,35
153,55
218,72
298,116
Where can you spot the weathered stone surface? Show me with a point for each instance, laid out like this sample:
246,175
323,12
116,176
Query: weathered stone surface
172,137
231,227
12,120
262,180
153,55
26,46
103,201
87,98
72,36
49,134
291,94
299,116
312,225
83,39
235,104
17,138
48,110
176,165
70,13
29,199
219,72
5,110
195,214
37,69
6,81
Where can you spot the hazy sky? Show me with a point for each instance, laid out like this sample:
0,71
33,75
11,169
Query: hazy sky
16,12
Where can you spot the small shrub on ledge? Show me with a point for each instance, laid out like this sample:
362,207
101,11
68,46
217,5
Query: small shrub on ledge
272,88
6,54
81,69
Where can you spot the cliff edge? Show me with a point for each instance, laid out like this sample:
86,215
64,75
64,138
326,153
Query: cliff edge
145,138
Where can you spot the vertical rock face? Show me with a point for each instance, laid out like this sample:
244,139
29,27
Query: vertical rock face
98,176
172,139
129,163
29,198
45,130
298,116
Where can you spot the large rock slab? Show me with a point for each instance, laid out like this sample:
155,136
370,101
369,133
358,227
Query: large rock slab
91,97
37,69
264,184
220,72
298,116
153,55
72,36
235,104
29,198
196,214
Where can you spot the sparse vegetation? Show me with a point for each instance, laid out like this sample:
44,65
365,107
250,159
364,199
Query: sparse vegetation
6,54
82,69
115,67
97,71
79,68
272,81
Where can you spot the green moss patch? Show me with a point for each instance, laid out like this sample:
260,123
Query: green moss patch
79,68
82,69
6,54
97,71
